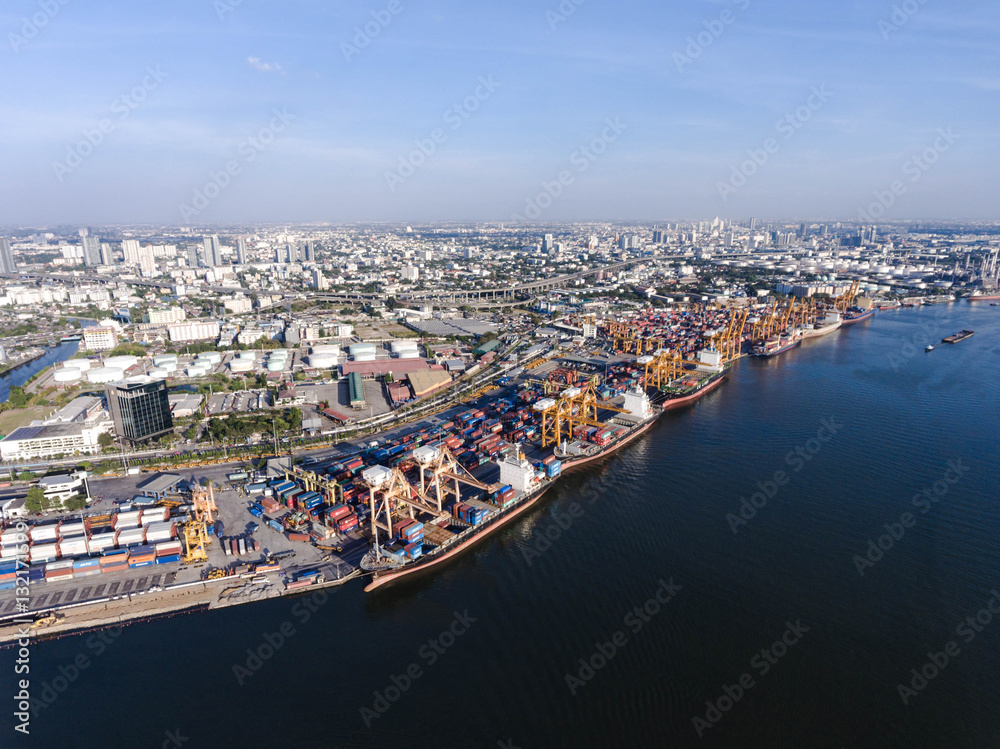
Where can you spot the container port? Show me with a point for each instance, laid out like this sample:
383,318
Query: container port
388,508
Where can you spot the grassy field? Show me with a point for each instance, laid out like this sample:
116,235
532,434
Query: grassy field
11,420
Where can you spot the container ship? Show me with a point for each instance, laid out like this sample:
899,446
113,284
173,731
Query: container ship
522,483
777,344
827,325
856,314
979,296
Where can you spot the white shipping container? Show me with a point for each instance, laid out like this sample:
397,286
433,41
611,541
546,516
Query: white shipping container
131,536
72,547
44,533
128,519
155,515
102,541
72,529
10,552
43,551
53,566
14,536
168,547
158,529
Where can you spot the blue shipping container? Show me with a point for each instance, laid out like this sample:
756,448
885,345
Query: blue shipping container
168,559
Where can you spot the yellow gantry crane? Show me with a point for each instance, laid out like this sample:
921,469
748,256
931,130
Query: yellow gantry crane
196,538
664,366
846,300
442,475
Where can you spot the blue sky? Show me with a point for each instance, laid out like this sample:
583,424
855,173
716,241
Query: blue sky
687,123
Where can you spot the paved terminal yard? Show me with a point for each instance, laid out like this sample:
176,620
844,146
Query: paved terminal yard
148,591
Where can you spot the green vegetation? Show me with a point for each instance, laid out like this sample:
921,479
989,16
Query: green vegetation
25,328
236,428
105,440
36,501
127,349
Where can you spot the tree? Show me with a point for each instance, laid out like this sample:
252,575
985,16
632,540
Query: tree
25,476
105,440
75,503
36,499
17,397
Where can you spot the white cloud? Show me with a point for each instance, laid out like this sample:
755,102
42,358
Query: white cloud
264,67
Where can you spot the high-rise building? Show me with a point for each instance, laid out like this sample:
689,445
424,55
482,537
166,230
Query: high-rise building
411,273
91,251
107,258
7,264
130,250
213,252
318,281
241,251
140,410
753,223
291,253
547,243
279,255
309,252
147,261
193,256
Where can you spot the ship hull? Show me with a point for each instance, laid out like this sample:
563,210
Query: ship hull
866,316
820,332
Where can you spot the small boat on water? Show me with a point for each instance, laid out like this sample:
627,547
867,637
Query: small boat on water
930,347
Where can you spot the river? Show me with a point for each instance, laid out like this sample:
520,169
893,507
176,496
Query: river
788,563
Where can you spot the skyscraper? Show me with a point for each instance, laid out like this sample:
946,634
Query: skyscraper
213,252
140,410
106,257
547,243
91,251
292,251
6,257
309,255
193,256
130,250
147,261
241,251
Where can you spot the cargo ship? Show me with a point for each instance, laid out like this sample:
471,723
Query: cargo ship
979,296
777,344
893,304
824,327
959,336
518,475
856,314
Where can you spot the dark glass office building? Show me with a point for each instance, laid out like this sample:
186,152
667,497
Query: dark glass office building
140,410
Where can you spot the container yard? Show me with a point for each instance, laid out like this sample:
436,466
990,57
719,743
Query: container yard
403,504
